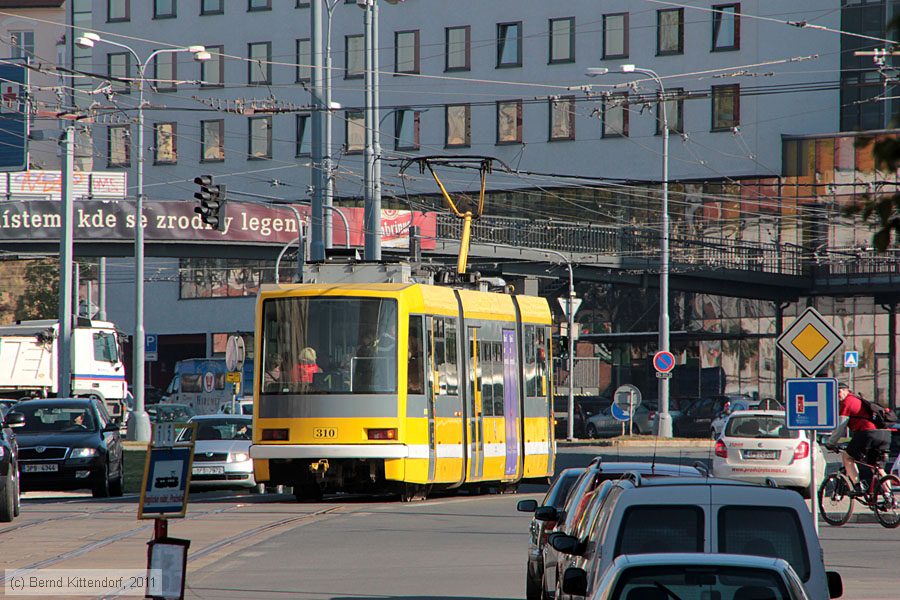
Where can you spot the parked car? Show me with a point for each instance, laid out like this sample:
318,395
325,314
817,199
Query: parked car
693,575
545,518
165,412
239,407
584,406
649,515
222,452
6,404
604,424
69,444
757,445
9,467
696,420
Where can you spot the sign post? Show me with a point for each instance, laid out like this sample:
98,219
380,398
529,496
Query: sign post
235,352
626,399
151,348
851,361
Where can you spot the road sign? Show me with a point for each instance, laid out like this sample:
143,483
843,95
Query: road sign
167,475
627,396
663,361
618,413
233,377
810,341
851,359
234,353
811,403
14,112
564,304
151,345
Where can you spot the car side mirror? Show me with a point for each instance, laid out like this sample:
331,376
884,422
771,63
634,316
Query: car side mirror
835,584
111,426
546,513
567,544
574,582
14,419
527,506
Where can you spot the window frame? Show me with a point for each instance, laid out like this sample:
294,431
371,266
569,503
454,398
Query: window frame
298,77
659,16
571,57
519,118
156,155
717,20
171,15
416,52
607,106
20,50
124,87
625,36
714,93
675,95
268,138
354,118
253,63
218,11
467,51
510,65
467,126
109,150
203,141
126,18
347,73
216,52
169,87
568,100
416,116
300,135
251,8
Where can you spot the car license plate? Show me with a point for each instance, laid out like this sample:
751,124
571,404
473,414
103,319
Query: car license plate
40,468
325,433
208,470
761,454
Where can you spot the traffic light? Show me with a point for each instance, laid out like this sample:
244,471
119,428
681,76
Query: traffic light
212,202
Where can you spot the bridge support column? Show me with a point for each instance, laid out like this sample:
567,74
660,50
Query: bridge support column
779,357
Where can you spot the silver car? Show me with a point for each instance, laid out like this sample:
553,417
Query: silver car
222,452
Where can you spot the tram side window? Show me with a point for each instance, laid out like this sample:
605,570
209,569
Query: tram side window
543,377
445,357
531,375
486,368
415,383
497,354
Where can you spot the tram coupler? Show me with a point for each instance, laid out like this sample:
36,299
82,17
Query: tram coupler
319,469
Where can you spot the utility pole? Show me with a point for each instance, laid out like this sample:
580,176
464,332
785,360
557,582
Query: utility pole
102,291
317,246
376,137
328,196
64,358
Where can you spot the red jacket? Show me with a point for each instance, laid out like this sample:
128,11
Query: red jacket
303,372
860,418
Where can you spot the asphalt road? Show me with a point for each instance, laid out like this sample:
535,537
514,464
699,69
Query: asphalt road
270,547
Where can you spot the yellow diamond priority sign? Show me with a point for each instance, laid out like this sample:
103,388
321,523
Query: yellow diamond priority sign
810,341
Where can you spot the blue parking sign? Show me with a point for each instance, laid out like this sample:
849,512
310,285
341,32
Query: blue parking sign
811,403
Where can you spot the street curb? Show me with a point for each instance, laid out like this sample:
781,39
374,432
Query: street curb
641,441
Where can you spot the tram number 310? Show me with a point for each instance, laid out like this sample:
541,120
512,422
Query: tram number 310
325,433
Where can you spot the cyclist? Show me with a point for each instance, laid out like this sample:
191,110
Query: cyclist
868,444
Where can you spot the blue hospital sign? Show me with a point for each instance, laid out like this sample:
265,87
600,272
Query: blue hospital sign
811,403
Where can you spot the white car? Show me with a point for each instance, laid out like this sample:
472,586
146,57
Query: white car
239,407
756,446
222,452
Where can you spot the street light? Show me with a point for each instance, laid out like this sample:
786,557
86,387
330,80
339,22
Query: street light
139,424
664,419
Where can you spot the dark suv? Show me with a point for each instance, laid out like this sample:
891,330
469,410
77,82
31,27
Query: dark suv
69,444
9,467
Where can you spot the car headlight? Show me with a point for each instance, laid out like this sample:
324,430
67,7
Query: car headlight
82,452
239,456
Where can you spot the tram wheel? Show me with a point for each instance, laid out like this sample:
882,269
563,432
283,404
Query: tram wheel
412,492
509,488
307,492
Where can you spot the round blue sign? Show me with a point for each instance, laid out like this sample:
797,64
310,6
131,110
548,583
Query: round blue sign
663,361
619,413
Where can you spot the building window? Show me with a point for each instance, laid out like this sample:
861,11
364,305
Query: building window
726,27
212,140
259,68
406,129
212,71
164,9
509,122
302,3
259,131
562,119
21,44
615,35
119,154
670,31
165,72
406,52
457,53
164,144
354,56
726,107
119,66
674,111
458,126
304,60
615,116
355,136
259,5
212,7
509,44
562,40
797,156
303,144
118,10
225,277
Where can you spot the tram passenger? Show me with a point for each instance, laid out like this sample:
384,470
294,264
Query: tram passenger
273,373
304,370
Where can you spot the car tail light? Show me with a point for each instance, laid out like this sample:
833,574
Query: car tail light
651,415
382,434
802,451
721,449
274,435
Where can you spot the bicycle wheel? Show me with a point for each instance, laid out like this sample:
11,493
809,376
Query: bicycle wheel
887,502
835,504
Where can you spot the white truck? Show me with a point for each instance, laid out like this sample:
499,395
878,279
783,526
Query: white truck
28,361
200,383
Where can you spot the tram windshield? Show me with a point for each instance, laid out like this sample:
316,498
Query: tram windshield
329,345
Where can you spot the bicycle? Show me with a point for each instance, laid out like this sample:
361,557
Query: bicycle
837,496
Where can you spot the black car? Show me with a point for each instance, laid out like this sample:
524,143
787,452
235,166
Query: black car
9,468
70,444
696,420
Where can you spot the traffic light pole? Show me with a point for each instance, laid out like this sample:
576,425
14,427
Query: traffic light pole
64,365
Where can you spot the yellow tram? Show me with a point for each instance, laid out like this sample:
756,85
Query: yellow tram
402,387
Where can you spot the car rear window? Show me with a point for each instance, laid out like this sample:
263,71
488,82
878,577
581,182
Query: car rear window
657,528
688,582
559,491
759,427
764,531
